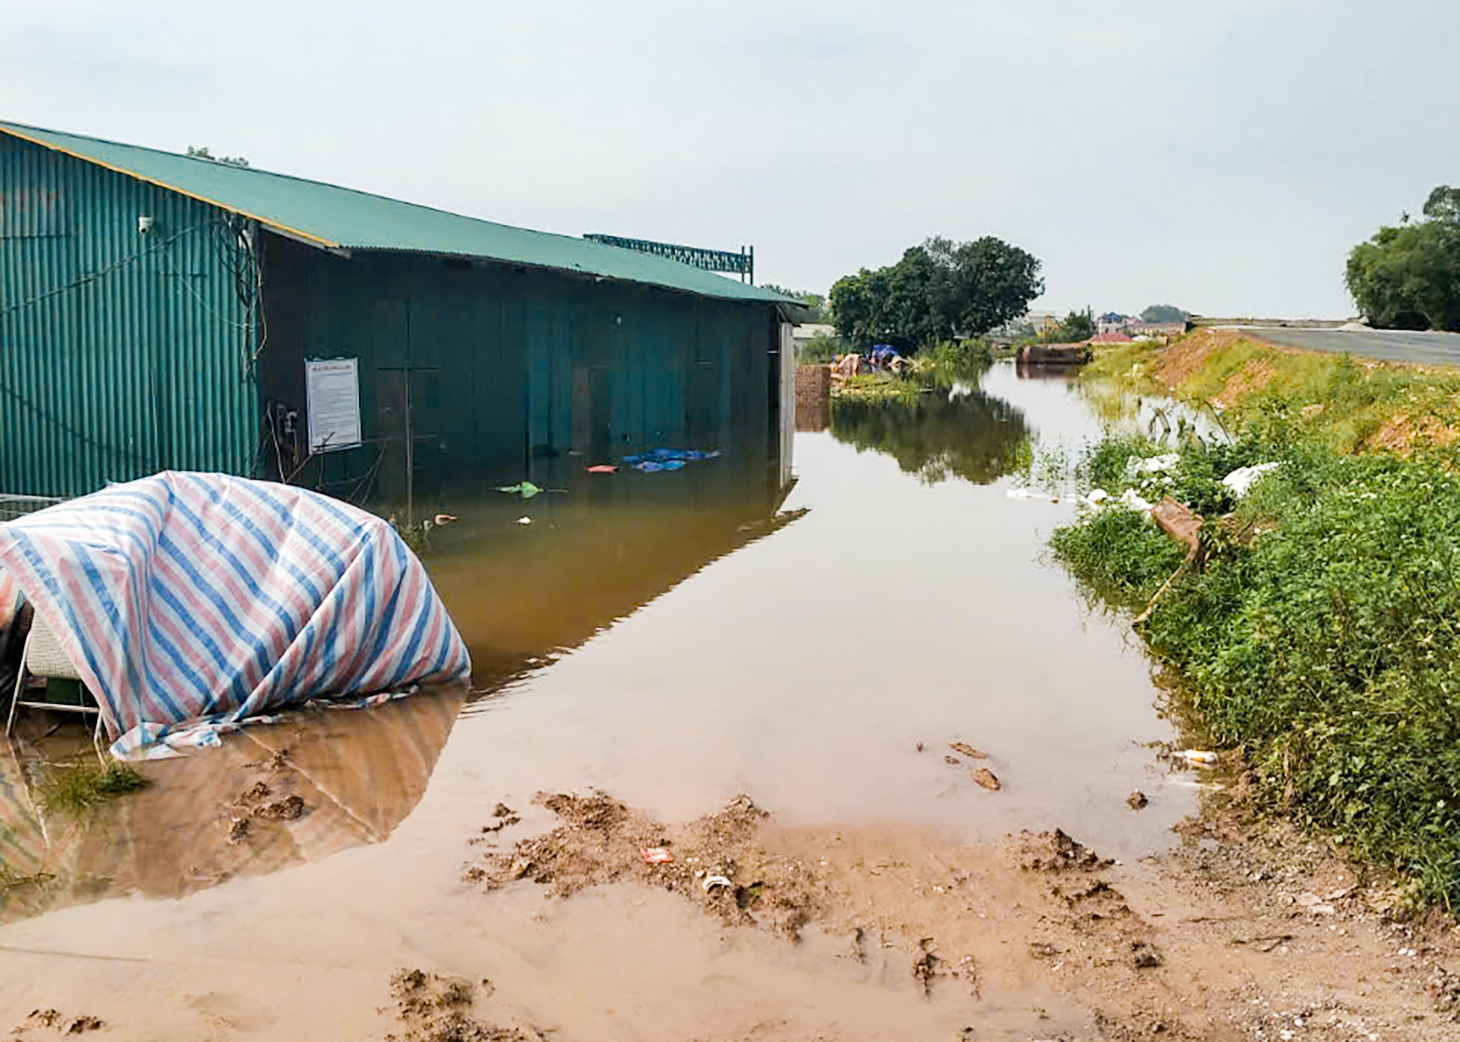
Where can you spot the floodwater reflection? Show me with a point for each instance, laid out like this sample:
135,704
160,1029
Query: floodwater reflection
597,548
956,431
590,555
273,796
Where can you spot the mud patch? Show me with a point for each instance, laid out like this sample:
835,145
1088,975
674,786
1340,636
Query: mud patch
290,809
1402,434
1254,375
1054,852
253,805
715,861
433,1008
1182,360
47,1021
1217,941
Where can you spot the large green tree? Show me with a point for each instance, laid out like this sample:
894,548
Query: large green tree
937,291
1408,276
1163,313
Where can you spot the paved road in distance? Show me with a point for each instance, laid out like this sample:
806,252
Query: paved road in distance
1389,345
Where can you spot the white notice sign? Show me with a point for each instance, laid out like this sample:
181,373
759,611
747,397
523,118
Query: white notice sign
333,390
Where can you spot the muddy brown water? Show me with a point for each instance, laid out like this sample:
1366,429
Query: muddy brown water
673,639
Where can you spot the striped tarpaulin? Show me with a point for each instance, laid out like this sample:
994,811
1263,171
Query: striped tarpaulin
190,602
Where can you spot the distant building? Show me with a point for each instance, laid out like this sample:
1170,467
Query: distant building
1042,321
1110,338
1112,322
1157,329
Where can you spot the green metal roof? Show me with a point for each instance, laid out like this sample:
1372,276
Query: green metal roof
342,218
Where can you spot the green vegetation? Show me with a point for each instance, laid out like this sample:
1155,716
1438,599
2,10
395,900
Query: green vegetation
1408,277
80,789
951,359
823,347
878,386
1343,403
10,880
1346,404
1318,634
1077,326
941,290
1119,555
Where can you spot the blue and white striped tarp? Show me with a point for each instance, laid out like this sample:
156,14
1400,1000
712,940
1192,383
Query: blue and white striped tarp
191,602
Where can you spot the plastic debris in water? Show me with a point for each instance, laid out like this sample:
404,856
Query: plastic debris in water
656,855
603,468
524,520
713,881
968,750
673,455
445,519
1200,757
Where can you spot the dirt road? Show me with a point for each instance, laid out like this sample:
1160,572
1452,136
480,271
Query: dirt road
1387,345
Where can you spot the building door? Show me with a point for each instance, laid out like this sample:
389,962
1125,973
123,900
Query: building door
407,420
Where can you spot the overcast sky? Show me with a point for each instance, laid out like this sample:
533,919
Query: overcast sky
1222,155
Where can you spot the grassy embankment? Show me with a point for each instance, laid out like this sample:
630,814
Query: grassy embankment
1319,637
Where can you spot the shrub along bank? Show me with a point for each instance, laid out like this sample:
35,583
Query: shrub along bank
1320,630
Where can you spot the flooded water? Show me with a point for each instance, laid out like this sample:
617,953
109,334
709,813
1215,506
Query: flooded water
908,604
674,639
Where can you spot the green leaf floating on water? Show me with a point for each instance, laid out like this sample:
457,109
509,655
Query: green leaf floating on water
526,488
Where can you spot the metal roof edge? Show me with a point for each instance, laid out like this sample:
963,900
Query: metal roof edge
756,294
309,237
592,276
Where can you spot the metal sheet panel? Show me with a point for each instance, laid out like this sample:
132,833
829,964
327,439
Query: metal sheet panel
784,407
510,370
331,216
120,353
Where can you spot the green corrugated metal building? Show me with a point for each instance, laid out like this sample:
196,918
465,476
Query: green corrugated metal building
158,311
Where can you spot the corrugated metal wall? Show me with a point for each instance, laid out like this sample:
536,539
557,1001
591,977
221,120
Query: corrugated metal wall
120,354
509,369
